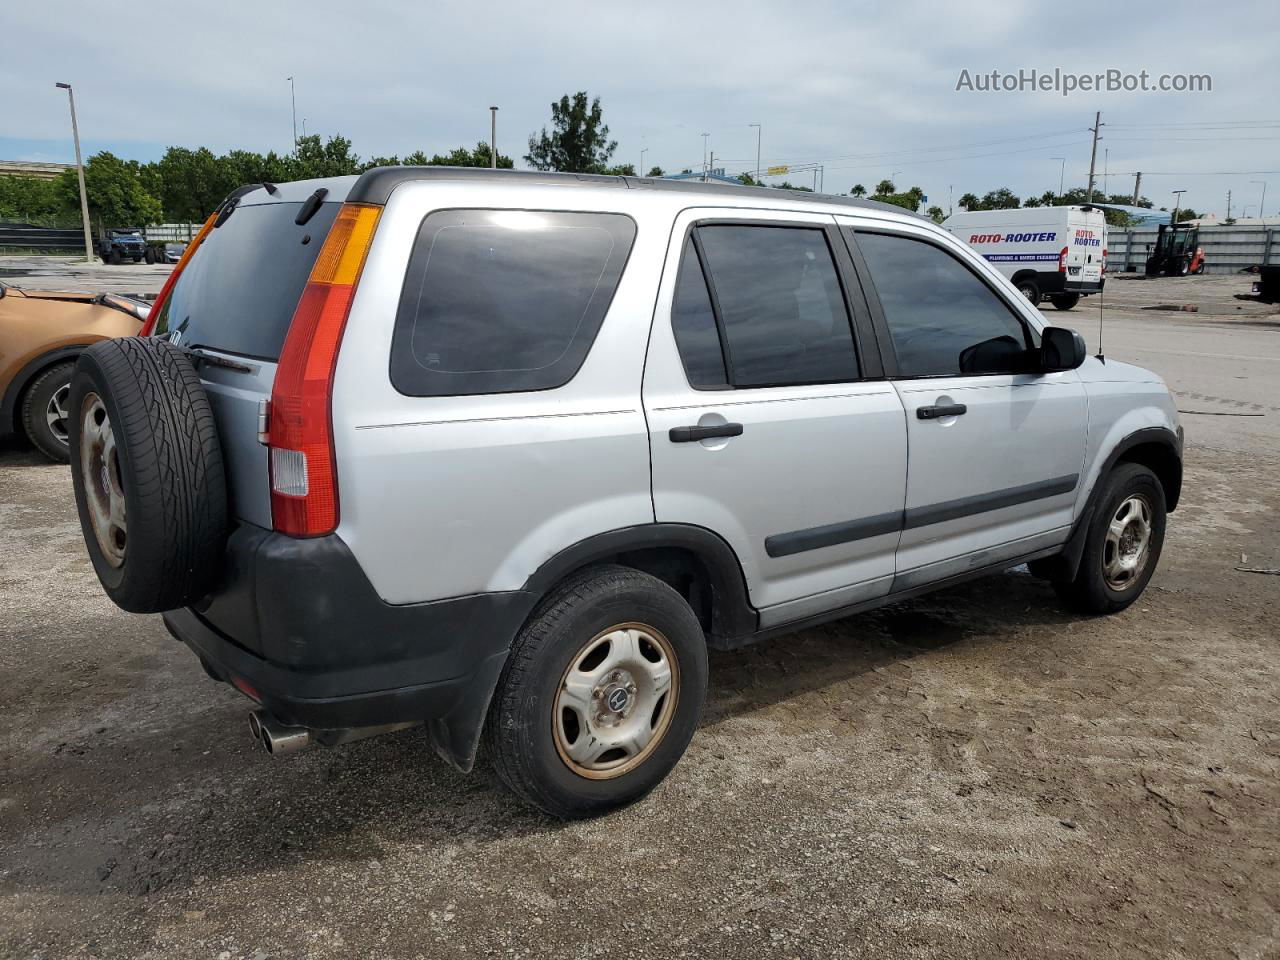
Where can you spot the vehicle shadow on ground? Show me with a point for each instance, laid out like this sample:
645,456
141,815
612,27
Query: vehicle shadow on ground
198,802
17,451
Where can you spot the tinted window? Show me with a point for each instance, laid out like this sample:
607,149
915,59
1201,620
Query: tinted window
496,301
943,319
694,324
240,288
781,305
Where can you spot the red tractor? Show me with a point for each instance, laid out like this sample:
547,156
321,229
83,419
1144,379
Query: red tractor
1178,251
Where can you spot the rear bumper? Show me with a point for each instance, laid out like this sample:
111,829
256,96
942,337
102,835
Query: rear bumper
298,627
1051,283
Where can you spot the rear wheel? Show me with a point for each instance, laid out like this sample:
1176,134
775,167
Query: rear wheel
600,695
1123,545
115,259
1065,301
45,414
1029,289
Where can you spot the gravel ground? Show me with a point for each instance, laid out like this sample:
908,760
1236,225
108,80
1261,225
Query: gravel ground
973,774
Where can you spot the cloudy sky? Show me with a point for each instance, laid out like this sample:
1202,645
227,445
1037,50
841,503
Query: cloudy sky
867,90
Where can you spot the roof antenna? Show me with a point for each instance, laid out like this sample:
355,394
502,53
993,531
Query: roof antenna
1101,296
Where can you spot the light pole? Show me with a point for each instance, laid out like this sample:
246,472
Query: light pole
84,197
1062,174
1262,204
704,157
640,169
493,138
759,134
293,103
1177,202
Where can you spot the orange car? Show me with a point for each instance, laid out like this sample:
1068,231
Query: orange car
41,333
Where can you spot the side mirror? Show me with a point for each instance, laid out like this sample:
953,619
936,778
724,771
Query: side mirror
1061,349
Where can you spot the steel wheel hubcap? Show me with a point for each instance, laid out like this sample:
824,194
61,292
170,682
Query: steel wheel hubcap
56,413
1125,552
616,701
100,472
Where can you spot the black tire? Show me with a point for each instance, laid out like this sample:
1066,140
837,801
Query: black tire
168,464
1090,592
519,735
115,258
35,409
1065,301
1199,268
1184,267
150,255
1029,289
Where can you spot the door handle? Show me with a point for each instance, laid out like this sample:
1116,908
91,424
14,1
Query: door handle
941,410
690,434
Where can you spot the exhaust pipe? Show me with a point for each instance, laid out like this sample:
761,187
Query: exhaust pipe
277,739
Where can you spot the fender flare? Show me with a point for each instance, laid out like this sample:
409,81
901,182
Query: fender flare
732,613
1068,561
22,379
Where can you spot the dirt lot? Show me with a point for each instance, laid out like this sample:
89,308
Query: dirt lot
974,774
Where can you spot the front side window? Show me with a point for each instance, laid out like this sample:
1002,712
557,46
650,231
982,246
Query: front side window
498,301
943,319
782,311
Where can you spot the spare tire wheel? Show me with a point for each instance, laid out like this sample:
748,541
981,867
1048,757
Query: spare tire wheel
147,469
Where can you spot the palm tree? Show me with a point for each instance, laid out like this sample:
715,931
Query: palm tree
858,190
884,188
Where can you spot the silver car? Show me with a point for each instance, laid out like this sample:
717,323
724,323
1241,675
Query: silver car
503,454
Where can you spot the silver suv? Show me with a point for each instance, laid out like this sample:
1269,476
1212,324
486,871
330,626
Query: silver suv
503,453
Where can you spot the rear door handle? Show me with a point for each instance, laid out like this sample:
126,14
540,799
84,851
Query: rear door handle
941,410
690,434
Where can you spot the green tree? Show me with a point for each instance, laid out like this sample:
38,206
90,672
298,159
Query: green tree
858,190
656,172
621,170
936,214
970,202
579,138
35,201
462,157
331,158
910,200
115,194
193,183
884,188
1001,199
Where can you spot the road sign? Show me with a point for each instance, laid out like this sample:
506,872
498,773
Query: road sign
778,171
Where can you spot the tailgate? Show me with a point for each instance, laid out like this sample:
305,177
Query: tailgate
233,302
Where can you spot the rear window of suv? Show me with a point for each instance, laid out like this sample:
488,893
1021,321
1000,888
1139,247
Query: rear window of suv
499,301
242,285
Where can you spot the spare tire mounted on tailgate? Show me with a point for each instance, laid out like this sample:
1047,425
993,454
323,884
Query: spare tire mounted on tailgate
148,474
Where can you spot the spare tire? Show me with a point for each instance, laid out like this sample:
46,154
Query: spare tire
148,474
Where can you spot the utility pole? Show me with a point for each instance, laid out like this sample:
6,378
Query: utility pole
759,133
1137,185
493,138
293,102
84,196
1177,202
1262,204
711,167
640,169
951,193
1228,204
704,157
1093,154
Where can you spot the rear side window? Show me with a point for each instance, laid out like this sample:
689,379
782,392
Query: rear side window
498,301
943,319
781,305
694,323
240,289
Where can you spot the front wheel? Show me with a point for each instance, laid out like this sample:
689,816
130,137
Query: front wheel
600,694
45,411
1123,544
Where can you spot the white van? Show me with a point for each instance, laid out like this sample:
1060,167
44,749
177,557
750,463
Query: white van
1053,253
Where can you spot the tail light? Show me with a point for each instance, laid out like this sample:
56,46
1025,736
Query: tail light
304,479
163,295
1104,260
1062,260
